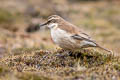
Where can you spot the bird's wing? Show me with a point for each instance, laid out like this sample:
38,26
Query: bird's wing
72,29
86,41
68,27
83,37
91,42
82,34
75,31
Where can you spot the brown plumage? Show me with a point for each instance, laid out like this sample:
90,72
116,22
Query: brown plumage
68,36
76,33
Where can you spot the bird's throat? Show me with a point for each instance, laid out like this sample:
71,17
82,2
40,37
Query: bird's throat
53,26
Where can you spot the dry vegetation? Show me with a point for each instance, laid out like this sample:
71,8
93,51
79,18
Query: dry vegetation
21,52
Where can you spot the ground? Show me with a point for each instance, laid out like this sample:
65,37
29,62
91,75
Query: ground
23,55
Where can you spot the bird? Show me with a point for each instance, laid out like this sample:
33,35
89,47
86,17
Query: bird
68,36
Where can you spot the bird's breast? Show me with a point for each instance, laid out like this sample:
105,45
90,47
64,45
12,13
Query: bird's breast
62,38
58,35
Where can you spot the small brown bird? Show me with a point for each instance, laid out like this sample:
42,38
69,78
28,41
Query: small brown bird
68,36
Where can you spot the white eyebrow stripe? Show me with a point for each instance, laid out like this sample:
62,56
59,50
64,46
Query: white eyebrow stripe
53,18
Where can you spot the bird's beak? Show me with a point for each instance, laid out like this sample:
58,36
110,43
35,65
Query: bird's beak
44,24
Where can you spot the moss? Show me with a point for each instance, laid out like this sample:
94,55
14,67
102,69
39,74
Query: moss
117,66
92,59
28,76
85,62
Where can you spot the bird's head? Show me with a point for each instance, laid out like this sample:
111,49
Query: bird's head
52,21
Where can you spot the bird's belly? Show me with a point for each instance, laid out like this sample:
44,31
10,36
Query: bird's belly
63,39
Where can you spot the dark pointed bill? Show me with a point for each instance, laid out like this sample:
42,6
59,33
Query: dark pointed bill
43,24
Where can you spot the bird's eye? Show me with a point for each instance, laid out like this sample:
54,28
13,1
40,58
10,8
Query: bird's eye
53,20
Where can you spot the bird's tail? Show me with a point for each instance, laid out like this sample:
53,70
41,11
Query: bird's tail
104,49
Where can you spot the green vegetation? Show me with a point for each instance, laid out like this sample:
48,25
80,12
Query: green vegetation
85,62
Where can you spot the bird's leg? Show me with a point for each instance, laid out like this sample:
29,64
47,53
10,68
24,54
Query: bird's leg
70,53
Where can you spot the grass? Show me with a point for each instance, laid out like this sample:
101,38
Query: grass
59,65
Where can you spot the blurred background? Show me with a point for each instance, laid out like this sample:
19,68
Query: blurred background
99,18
